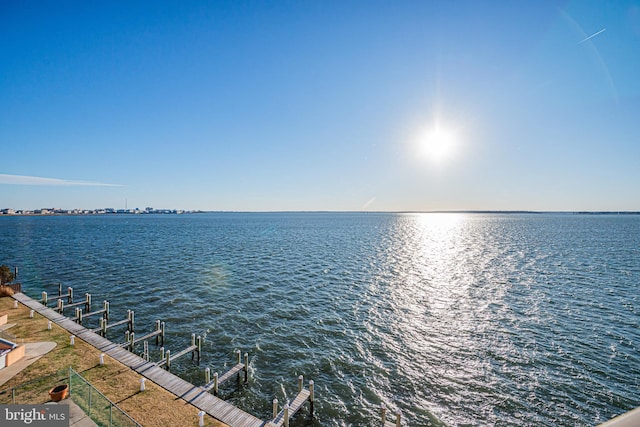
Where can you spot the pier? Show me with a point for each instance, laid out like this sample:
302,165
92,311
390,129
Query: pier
290,408
194,349
105,325
218,381
204,397
196,396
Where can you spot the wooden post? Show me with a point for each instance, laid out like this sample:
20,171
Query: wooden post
275,408
286,415
383,412
72,340
79,315
60,306
102,358
59,289
126,337
70,297
44,298
161,353
300,383
238,353
168,358
193,344
132,338
215,383
103,326
398,418
87,302
246,367
311,396
142,380
199,345
15,273
207,375
106,310
161,334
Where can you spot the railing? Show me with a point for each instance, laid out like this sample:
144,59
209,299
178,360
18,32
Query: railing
96,405
34,392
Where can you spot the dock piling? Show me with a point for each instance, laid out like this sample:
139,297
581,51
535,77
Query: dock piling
239,353
246,368
160,337
383,412
286,415
275,408
311,396
44,298
398,418
215,383
132,341
207,375
131,317
70,297
193,344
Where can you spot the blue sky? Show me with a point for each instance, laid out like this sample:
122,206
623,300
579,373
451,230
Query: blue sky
320,105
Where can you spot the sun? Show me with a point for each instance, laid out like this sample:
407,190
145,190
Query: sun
437,144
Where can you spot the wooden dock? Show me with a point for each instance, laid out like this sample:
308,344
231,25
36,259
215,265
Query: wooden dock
235,370
196,396
290,409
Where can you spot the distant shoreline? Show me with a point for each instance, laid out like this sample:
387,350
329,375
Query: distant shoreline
181,212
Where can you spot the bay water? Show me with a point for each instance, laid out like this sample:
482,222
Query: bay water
450,318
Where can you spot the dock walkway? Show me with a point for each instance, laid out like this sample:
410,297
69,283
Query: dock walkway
196,396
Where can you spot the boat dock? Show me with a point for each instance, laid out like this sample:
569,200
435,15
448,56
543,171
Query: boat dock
196,396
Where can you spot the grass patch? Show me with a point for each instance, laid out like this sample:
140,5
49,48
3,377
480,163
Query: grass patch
153,407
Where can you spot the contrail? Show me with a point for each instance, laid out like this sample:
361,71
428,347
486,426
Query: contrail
593,35
37,180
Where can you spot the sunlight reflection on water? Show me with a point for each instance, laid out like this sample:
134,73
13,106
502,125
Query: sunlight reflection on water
463,319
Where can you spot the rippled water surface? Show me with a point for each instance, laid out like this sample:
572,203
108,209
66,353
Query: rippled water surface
453,319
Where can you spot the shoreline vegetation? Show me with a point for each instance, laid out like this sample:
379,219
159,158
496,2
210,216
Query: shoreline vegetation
153,407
